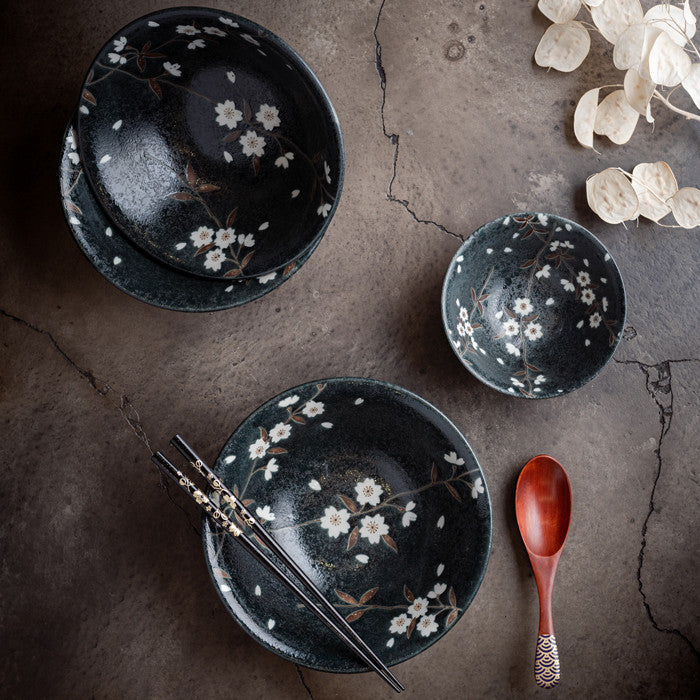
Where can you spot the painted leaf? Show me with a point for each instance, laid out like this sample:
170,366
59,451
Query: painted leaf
72,207
611,196
346,597
141,62
612,17
191,175
208,188
368,595
352,539
256,164
527,263
473,294
222,573
654,183
247,258
248,501
454,492
146,46
411,627
276,451
231,136
390,543
563,46
669,64
348,502
263,434
407,594
231,217
87,95
205,248
451,618
181,196
615,118
452,597
559,10
298,419
153,84
232,273
289,268
433,474
354,615
247,111
685,205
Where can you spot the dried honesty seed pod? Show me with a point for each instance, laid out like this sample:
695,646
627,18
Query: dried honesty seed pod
678,22
629,49
685,205
654,184
612,17
559,11
669,64
563,46
638,93
611,196
692,84
615,118
584,117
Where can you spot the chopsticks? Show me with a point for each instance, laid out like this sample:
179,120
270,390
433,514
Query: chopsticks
321,607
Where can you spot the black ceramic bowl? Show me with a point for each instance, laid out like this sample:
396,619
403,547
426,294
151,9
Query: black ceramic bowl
210,144
533,305
378,497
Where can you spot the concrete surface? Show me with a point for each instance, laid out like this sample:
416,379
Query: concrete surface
103,585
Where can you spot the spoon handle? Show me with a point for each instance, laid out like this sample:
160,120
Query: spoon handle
547,671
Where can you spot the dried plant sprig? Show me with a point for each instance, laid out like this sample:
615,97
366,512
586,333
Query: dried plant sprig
650,190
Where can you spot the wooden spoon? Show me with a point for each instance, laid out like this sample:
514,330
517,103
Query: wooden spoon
543,510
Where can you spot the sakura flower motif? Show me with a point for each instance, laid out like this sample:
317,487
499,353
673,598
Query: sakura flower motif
587,296
229,21
533,331
270,468
327,172
264,279
116,58
478,487
544,272
409,516
511,327
280,432
368,492
516,382
400,624
604,303
522,306
583,278
268,116
566,244
462,330
214,258
335,521
252,144
324,210
452,458
568,286
224,237
188,29
258,449
265,513
227,114
196,44
289,401
312,409
373,528
463,314
231,76
540,379
543,219
468,329
438,590
595,319
554,245
512,349
173,68
247,241
250,39
214,31
418,607
314,485
283,161
120,43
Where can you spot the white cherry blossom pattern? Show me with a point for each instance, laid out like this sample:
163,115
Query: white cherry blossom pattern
478,486
312,409
533,331
409,516
270,468
265,514
281,431
335,521
427,625
173,68
373,528
252,144
215,31
368,492
283,160
225,237
452,458
214,259
324,209
522,306
418,607
288,401
400,624
196,44
268,116
227,114
187,29
120,43
259,448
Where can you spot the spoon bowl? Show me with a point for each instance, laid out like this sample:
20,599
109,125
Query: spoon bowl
543,512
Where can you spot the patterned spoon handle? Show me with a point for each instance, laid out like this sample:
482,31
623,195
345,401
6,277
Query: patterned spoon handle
547,671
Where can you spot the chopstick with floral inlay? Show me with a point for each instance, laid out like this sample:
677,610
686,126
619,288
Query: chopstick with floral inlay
229,498
222,520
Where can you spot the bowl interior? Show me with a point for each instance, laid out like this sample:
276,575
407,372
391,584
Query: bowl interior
210,143
378,497
533,305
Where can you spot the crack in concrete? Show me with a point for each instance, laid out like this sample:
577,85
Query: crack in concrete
303,681
394,138
660,389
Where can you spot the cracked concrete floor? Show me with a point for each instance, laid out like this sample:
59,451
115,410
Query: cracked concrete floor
104,589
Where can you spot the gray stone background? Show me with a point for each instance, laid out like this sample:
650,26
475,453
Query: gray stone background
103,587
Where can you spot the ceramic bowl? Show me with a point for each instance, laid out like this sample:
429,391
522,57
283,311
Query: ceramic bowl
210,144
533,305
140,275
380,499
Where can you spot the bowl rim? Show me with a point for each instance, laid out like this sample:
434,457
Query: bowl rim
308,74
438,414
470,241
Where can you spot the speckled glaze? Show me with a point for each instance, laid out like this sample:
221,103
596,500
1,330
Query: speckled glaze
378,496
136,273
533,305
210,143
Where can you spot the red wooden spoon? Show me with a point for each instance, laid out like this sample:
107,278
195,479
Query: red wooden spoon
543,510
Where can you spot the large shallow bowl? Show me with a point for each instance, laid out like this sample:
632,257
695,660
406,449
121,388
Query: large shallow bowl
138,274
379,498
533,305
210,144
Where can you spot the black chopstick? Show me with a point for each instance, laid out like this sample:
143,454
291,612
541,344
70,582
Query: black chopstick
220,518
200,465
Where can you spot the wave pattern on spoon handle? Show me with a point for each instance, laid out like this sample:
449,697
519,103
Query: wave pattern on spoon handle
547,671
